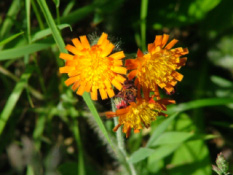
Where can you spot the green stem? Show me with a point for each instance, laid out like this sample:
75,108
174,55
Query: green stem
144,6
81,169
120,143
37,13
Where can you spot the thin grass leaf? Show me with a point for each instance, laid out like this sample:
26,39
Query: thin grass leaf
13,98
199,103
144,6
78,14
140,154
49,19
46,32
7,40
37,13
68,8
23,50
160,129
75,130
28,13
11,14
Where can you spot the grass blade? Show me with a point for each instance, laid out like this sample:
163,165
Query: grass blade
8,22
144,6
28,13
23,50
13,98
199,103
12,37
46,32
160,129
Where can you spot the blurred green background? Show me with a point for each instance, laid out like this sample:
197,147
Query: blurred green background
46,129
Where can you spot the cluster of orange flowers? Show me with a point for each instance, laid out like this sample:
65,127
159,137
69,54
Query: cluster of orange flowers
94,68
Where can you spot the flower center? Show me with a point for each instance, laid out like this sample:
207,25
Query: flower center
156,69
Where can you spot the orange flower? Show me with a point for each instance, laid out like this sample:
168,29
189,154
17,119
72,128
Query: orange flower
143,112
158,67
92,68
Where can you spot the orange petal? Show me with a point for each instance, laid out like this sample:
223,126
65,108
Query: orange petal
150,47
165,39
117,62
110,93
81,89
120,70
72,49
110,114
103,37
107,84
169,89
122,111
118,55
116,127
71,80
132,74
75,86
158,40
77,43
171,44
94,95
128,132
71,63
88,86
66,69
120,78
173,82
131,64
166,101
146,93
156,92
182,62
136,131
85,42
103,94
177,75
140,53
116,84
108,49
66,56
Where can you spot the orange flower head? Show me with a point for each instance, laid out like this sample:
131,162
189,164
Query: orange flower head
158,67
92,68
143,112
